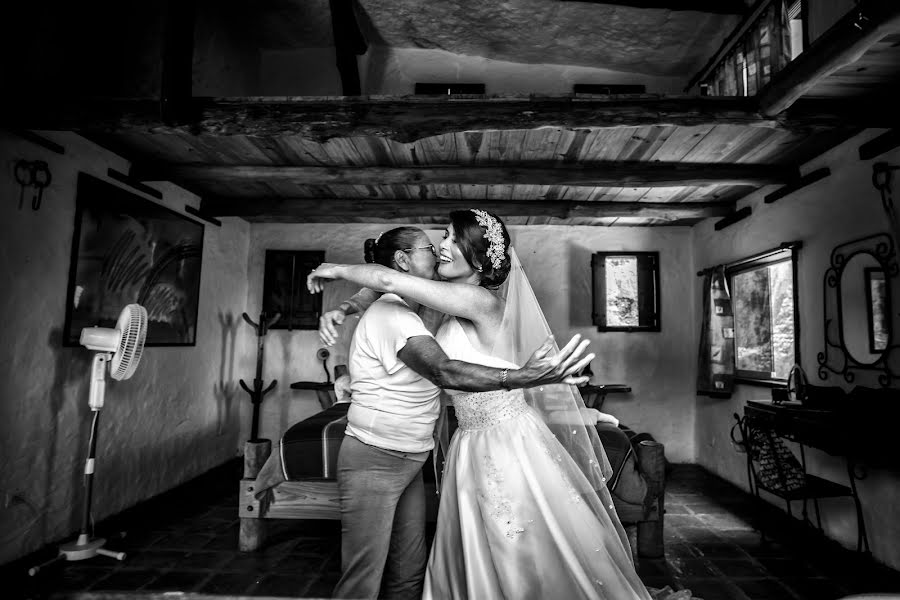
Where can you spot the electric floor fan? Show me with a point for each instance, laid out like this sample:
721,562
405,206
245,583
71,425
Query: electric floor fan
118,350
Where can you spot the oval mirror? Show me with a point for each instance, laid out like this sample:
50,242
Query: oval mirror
865,304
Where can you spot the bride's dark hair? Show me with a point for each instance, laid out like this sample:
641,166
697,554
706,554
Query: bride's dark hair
381,250
474,247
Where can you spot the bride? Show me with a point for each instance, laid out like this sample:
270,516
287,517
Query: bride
525,511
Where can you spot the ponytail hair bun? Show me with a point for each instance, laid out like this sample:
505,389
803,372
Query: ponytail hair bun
369,250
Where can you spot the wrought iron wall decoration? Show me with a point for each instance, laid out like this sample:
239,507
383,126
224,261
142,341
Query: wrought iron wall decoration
859,288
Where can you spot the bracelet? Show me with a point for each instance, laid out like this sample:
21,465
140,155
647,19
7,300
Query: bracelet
504,374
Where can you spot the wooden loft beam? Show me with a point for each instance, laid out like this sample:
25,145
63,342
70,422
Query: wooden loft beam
843,44
722,7
348,44
408,119
335,210
604,174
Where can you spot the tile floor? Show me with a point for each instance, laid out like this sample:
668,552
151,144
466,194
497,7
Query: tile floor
186,540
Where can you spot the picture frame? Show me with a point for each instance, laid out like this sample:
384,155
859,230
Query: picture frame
127,249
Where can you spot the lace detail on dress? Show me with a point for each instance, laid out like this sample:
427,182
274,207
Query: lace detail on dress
482,410
501,508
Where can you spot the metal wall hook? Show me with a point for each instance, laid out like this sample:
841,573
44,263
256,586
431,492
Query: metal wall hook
34,174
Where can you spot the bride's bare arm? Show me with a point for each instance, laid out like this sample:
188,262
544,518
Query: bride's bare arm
458,299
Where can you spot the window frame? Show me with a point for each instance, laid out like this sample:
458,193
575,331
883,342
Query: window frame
297,286
787,253
598,288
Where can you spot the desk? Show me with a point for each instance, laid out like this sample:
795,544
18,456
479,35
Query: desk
864,435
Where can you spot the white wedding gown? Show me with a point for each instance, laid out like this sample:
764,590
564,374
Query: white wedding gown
517,518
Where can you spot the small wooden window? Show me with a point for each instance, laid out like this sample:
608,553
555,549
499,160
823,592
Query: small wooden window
626,291
284,288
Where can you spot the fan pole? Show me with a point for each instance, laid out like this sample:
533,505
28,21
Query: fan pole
85,547
89,477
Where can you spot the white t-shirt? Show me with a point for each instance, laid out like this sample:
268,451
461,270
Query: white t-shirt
392,406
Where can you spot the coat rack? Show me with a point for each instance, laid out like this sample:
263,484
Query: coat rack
257,393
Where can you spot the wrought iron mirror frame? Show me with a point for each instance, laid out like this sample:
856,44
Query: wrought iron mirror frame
836,358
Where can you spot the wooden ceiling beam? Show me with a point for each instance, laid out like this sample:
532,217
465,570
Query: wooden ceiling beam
336,210
605,174
408,119
844,43
721,7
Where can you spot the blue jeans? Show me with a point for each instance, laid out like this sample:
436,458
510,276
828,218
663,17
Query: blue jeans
382,523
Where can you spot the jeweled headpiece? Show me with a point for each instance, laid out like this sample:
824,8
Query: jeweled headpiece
494,235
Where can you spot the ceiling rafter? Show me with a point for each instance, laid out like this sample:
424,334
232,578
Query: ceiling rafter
600,174
336,210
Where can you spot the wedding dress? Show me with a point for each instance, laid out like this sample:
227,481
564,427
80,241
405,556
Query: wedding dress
517,517
525,511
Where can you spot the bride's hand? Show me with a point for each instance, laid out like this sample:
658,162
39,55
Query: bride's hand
315,281
592,416
328,324
545,366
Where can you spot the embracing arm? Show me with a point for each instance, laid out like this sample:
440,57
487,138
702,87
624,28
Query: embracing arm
458,299
423,355
358,303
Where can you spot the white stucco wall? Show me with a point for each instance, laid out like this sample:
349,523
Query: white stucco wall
158,429
557,260
395,71
840,208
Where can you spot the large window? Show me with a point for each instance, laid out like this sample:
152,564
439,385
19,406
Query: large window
626,291
764,301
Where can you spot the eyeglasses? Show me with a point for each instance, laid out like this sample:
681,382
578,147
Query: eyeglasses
429,247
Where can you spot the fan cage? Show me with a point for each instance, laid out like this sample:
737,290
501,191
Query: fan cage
133,327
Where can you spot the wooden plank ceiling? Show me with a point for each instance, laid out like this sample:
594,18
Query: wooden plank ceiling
624,175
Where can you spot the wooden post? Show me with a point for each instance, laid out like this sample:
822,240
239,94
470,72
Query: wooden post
652,460
252,534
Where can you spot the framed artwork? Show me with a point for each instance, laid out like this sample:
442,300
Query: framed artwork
284,288
127,249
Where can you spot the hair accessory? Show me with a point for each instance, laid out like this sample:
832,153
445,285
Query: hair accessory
494,235
378,238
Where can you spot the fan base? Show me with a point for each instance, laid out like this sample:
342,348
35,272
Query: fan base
86,548
81,549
